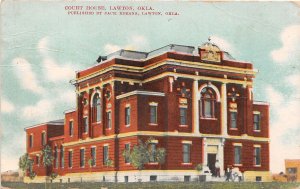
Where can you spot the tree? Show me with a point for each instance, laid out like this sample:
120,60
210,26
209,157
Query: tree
47,156
141,154
25,164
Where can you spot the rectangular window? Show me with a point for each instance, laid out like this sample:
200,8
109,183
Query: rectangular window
43,138
127,149
233,119
153,114
186,153
71,128
127,116
93,155
256,121
291,170
108,120
37,160
86,124
237,154
30,141
56,156
62,157
70,159
257,159
105,155
183,116
152,150
82,159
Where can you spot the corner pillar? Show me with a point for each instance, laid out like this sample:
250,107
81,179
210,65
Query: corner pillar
224,109
195,107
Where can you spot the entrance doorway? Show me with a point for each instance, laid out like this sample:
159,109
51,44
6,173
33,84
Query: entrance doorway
211,160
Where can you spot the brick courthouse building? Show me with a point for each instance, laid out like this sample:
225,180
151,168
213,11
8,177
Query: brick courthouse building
197,103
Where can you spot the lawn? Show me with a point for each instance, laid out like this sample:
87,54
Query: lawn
167,185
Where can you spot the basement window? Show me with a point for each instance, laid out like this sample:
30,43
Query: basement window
153,178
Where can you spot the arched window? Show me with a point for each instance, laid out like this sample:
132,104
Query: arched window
207,103
96,108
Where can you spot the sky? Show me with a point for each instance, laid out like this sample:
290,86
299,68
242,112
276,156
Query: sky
43,46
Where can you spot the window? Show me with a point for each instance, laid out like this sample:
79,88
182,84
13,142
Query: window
93,156
105,155
96,108
37,160
31,141
237,155
187,178
82,160
56,156
153,114
71,128
152,150
108,120
86,124
207,104
291,170
153,178
257,152
126,178
70,159
127,116
183,116
43,138
62,157
127,149
186,153
256,121
233,120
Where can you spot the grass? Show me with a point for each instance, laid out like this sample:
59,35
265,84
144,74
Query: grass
167,185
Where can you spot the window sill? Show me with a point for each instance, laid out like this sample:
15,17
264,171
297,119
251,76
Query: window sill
82,167
209,118
257,131
107,128
238,165
70,167
186,164
127,125
257,165
153,163
183,126
127,163
235,129
153,124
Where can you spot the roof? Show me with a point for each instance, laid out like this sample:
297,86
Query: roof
54,122
139,55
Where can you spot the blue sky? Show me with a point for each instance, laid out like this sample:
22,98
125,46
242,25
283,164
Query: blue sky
43,47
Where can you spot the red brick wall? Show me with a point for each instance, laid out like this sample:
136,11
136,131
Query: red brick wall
37,138
132,101
264,121
68,117
247,155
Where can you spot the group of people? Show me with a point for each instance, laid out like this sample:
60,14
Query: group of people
231,173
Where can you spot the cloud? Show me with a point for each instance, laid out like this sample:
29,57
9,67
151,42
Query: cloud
284,127
222,44
134,42
42,45
110,48
58,72
26,75
289,52
7,106
41,111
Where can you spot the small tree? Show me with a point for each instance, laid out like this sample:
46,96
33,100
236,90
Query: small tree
47,156
25,162
141,155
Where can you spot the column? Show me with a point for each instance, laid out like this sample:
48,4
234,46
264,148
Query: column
221,156
195,108
224,109
205,152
